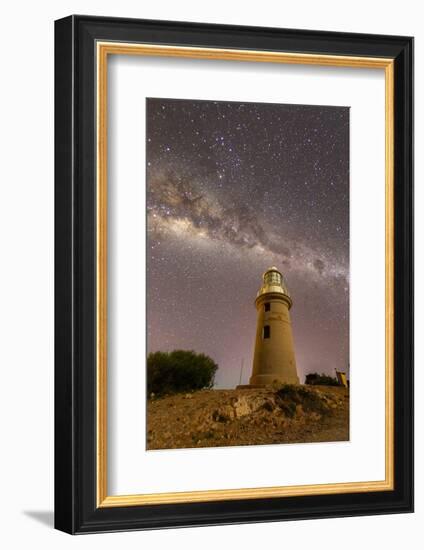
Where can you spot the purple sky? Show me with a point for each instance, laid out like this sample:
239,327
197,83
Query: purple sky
233,188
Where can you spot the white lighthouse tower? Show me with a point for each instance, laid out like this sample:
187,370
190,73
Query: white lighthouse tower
274,359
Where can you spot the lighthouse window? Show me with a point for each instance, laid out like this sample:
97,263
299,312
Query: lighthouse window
273,278
268,307
267,331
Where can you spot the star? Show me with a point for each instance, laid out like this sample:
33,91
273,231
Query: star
233,188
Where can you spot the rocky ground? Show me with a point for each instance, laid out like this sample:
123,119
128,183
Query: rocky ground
218,418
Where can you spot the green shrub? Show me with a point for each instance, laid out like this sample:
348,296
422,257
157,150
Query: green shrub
315,379
179,371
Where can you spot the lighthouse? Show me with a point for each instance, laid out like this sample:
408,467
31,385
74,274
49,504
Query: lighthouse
274,359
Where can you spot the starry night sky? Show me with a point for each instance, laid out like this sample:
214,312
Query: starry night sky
232,189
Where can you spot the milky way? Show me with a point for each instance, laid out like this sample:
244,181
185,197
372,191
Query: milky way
233,188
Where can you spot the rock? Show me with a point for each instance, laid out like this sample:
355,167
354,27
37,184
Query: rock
299,410
223,414
232,417
241,407
269,405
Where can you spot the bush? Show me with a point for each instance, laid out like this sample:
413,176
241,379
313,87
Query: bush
315,379
179,371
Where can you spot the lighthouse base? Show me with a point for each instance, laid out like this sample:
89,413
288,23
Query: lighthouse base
248,387
269,379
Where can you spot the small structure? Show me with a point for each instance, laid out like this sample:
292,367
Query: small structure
342,379
274,357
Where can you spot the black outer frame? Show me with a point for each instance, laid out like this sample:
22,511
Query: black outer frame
75,275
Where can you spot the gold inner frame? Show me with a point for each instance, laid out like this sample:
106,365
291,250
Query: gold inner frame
103,50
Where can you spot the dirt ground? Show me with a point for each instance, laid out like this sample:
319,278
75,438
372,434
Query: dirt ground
218,418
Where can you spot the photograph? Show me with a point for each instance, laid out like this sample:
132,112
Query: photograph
247,283
233,268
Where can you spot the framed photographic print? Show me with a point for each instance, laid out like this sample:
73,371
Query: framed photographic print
234,270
